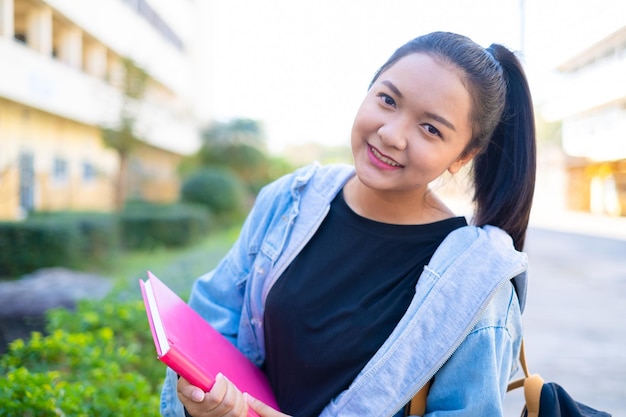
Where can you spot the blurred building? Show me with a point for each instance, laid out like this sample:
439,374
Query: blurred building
62,72
592,107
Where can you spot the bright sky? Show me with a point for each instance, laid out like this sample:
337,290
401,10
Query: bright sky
302,67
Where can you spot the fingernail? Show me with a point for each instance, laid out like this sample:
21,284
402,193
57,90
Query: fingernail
197,395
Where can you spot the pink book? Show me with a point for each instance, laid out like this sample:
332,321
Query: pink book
194,349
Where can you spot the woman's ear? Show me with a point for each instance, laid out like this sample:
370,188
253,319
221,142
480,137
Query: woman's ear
461,161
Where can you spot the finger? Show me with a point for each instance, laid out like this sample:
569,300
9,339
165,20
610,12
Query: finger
235,399
219,390
225,398
262,409
209,403
189,391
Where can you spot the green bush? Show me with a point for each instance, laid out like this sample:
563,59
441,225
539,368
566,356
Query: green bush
76,240
99,234
27,246
147,226
128,322
108,393
97,361
217,189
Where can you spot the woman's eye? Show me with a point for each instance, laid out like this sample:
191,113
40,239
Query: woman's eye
432,130
386,99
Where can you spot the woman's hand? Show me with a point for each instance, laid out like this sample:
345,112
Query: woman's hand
224,399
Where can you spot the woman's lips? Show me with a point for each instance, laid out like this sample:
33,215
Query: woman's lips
381,160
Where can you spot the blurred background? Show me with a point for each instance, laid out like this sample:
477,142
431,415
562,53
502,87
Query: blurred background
296,70
145,125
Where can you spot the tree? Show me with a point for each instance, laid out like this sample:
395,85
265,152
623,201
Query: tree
237,145
235,131
122,138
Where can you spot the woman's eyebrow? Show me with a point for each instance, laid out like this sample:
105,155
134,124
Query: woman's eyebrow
393,88
441,120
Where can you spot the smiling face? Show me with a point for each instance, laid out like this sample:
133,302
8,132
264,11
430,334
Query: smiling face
413,125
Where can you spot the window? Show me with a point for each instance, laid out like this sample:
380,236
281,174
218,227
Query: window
59,171
27,181
89,172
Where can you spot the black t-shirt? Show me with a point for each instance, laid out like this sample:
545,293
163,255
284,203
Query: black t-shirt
339,300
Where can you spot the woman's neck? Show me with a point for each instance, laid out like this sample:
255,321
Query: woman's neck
418,207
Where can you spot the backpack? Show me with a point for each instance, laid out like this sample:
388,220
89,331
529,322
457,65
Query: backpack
543,399
548,399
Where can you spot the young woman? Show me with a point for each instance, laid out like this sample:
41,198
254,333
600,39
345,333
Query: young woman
346,282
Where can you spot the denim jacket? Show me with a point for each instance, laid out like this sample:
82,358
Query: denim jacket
463,325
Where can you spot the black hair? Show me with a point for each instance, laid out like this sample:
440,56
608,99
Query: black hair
502,122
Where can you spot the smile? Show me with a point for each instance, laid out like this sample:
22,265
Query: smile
383,158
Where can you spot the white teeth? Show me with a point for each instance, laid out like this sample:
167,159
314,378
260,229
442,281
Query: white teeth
384,158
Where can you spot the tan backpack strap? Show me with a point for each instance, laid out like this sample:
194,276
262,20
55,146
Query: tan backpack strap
532,394
522,359
532,386
520,382
417,405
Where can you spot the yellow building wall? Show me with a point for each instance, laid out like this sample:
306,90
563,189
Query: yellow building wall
154,175
10,116
608,196
87,181
578,189
8,194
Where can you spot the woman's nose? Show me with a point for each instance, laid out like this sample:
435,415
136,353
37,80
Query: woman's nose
393,133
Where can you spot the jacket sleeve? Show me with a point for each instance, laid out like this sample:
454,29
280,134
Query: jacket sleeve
473,382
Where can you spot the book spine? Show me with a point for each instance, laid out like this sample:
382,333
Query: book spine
186,368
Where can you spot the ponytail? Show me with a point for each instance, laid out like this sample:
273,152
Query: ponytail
504,173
